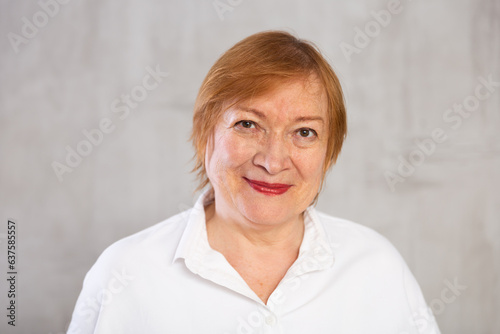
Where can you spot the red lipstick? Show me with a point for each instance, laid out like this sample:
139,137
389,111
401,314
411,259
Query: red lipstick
268,188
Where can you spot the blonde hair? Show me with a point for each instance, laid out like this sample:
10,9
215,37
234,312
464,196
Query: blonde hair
253,67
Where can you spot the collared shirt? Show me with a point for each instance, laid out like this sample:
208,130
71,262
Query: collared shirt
167,279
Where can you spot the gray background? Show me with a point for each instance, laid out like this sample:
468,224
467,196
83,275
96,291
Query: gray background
444,218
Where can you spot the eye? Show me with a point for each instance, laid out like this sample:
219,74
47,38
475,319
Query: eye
307,133
246,124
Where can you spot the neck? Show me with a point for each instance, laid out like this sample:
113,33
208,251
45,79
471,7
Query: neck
241,234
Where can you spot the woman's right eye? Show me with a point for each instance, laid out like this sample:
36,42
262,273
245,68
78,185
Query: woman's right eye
245,124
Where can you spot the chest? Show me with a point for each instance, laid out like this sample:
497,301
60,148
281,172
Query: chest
320,304
262,274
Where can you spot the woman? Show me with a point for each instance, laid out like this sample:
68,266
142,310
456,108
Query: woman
253,255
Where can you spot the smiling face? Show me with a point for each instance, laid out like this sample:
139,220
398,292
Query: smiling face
266,157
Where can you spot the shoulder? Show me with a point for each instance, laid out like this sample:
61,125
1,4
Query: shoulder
345,228
367,264
354,240
137,258
156,243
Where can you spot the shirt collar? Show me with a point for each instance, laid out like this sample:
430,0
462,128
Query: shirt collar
316,251
195,234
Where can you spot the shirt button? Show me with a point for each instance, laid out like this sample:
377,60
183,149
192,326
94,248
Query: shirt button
271,320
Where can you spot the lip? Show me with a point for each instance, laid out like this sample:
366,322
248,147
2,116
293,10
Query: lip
268,188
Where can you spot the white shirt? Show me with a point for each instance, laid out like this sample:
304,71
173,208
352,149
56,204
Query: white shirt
166,279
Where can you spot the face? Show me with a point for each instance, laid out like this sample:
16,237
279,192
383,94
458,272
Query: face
265,159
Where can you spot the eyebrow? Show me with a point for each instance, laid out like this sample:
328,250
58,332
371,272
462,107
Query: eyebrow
260,114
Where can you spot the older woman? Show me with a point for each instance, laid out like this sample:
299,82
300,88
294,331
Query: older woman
253,255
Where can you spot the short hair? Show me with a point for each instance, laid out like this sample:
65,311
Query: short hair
253,67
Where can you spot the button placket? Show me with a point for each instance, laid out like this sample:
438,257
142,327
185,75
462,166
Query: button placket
271,320
270,316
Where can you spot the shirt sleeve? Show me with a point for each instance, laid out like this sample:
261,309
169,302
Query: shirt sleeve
422,317
89,303
107,278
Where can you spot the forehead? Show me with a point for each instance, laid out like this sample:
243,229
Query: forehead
291,98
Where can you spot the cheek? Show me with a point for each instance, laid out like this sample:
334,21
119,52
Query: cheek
239,150
310,165
230,153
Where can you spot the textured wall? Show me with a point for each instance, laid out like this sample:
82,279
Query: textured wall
421,163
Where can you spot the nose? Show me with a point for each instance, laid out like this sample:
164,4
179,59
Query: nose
273,155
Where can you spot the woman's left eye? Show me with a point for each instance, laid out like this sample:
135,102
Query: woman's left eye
307,133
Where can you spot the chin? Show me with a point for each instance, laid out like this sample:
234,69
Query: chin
265,216
265,209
